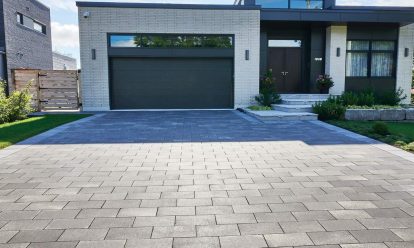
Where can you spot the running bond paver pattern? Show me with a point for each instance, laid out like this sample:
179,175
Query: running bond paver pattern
203,179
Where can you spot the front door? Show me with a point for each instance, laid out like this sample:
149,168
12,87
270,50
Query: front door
286,64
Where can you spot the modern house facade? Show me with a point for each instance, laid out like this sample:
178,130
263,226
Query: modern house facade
63,62
169,56
25,36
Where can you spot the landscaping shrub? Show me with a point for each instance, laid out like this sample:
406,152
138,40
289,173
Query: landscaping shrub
409,147
16,106
259,108
391,98
366,98
329,110
268,95
267,99
380,128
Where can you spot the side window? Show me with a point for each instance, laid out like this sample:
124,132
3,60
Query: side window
382,63
20,18
30,23
39,27
357,58
366,58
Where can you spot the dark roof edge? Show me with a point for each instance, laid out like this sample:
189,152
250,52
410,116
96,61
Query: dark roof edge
166,6
382,8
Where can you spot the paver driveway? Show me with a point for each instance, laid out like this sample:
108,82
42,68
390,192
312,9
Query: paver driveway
203,179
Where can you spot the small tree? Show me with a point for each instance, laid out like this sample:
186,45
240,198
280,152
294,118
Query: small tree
268,95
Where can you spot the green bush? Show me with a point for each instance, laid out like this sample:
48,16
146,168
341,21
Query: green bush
391,98
259,108
267,99
409,147
329,110
16,106
380,128
268,95
366,98
374,107
349,98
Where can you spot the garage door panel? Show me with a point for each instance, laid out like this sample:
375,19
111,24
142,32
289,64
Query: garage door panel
169,83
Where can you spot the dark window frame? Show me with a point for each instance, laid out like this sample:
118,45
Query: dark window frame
369,53
43,27
169,35
20,18
21,22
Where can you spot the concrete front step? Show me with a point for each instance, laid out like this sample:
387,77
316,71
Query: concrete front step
273,115
300,102
292,108
311,97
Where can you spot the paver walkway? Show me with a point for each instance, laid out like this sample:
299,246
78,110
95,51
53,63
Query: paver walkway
203,179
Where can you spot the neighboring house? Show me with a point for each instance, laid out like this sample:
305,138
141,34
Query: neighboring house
25,39
172,56
63,62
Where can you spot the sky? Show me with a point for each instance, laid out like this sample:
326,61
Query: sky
65,31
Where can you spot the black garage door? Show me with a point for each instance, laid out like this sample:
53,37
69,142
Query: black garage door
171,83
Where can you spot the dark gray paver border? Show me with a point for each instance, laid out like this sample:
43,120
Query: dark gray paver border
42,136
38,138
380,145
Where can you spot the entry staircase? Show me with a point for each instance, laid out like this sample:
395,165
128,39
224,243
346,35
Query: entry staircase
298,106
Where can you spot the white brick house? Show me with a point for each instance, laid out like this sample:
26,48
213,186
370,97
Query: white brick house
164,56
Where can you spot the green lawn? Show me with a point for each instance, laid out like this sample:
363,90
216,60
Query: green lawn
11,133
400,132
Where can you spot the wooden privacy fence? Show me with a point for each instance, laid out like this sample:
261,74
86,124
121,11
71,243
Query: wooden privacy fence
50,89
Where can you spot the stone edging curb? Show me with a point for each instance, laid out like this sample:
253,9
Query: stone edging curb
38,138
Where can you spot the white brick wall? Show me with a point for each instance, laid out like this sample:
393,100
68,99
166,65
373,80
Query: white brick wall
244,24
405,64
335,66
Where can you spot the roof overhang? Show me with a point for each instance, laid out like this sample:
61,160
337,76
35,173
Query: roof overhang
402,16
167,6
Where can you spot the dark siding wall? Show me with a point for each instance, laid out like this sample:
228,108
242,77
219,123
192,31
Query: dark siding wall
35,47
2,41
372,32
365,31
317,51
263,53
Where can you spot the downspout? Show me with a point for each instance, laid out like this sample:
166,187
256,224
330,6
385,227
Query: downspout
3,70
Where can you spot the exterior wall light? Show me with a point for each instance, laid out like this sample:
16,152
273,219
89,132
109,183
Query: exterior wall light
247,54
406,52
93,54
338,52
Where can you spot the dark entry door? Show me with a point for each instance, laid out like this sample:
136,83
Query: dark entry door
286,64
171,83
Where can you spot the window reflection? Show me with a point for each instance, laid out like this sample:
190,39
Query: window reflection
171,41
292,4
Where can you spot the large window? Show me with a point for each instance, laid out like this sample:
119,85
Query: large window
30,23
171,41
370,58
291,4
